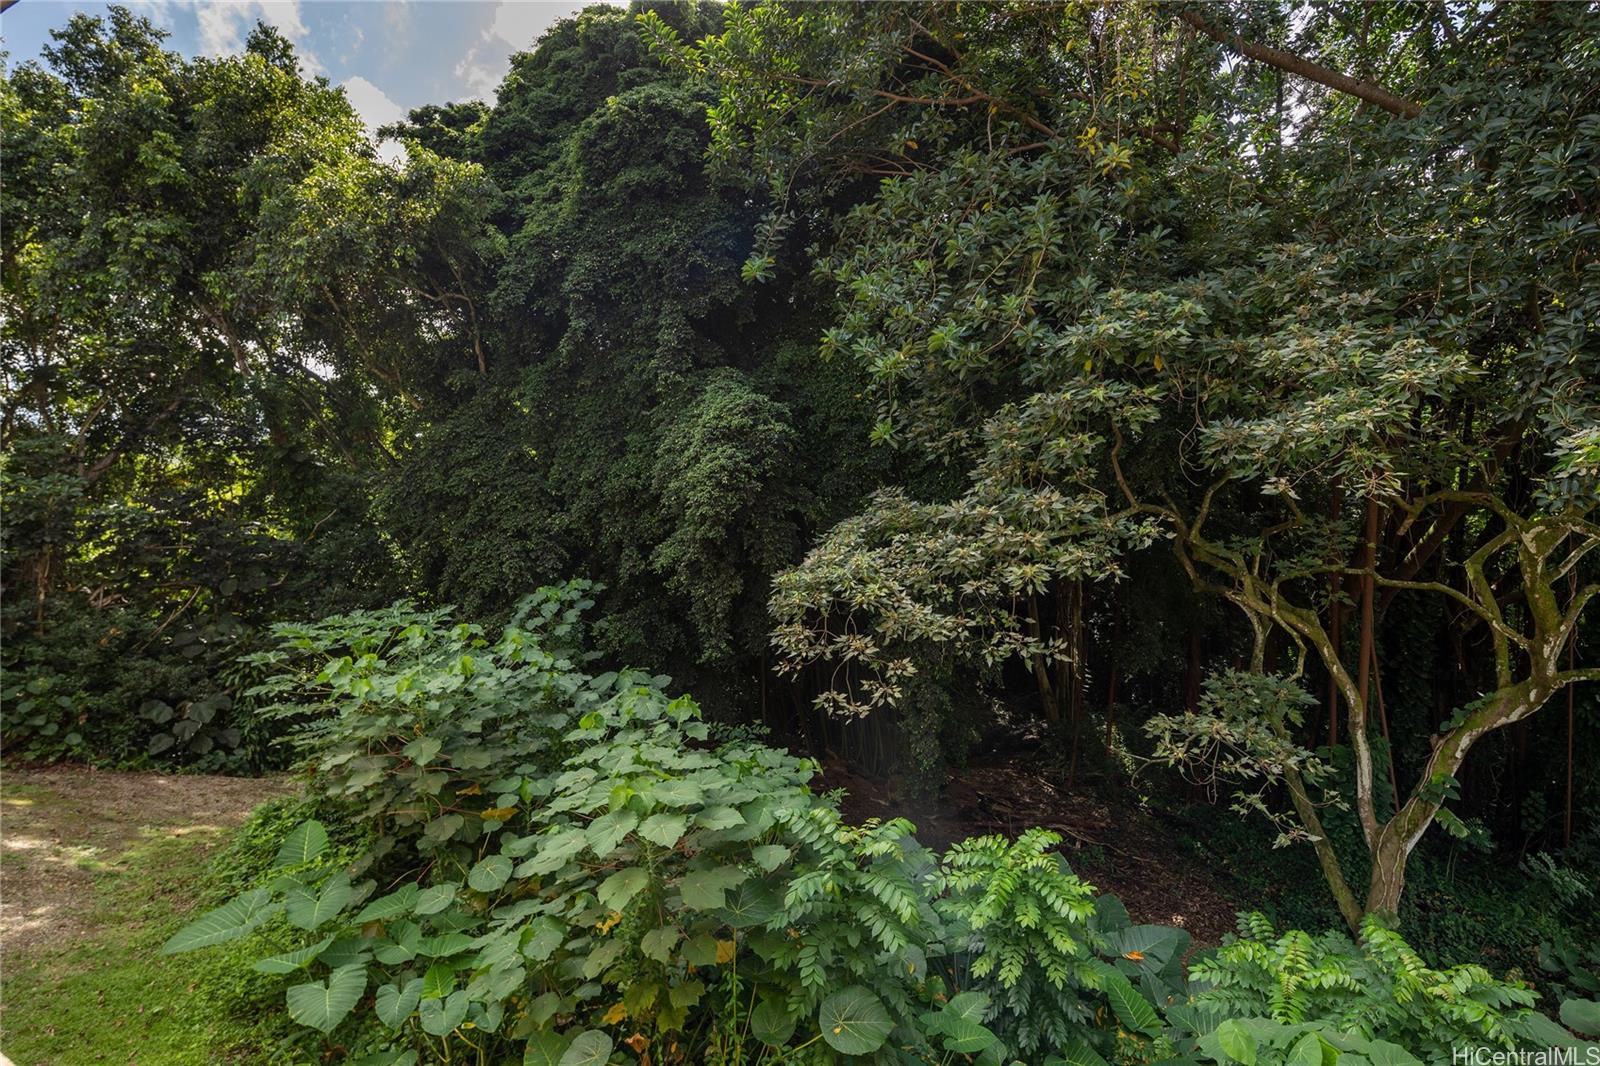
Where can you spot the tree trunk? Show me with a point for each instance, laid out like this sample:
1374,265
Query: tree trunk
1388,879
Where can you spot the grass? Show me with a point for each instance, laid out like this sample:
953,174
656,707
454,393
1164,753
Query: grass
95,989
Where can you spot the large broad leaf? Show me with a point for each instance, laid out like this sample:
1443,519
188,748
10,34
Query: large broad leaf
396,1002
545,1048
1307,1051
555,850
606,832
228,922
397,902
1383,1053
1076,1053
308,840
964,1037
705,890
663,829
969,1006
770,856
489,874
309,911
1236,1042
615,891
441,1016
1150,943
323,1004
1132,1008
1582,1015
588,1048
854,1022
290,961
435,899
771,1023
658,943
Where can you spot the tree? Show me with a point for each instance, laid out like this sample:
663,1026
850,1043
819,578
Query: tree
1134,296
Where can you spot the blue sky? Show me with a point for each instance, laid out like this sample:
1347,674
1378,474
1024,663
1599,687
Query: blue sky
390,55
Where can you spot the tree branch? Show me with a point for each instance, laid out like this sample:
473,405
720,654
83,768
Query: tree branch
1294,64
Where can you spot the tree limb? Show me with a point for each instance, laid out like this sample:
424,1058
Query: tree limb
1294,64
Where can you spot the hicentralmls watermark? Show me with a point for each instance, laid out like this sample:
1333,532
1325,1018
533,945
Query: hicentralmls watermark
1588,1055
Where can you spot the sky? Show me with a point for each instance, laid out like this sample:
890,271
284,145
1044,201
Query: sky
390,55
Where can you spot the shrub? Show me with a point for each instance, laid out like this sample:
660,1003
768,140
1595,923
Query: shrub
562,864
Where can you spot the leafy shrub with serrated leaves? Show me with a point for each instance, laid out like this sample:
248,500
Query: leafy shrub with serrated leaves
564,867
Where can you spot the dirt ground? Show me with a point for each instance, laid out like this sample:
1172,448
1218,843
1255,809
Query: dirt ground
59,825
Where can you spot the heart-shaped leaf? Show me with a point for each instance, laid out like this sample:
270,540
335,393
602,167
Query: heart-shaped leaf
310,911
395,1003
323,1004
489,874
854,1021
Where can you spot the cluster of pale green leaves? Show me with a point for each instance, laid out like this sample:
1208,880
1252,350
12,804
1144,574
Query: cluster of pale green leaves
1244,731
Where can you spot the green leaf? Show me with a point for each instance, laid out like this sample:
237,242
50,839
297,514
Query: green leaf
1132,1008
615,891
395,1003
545,1048
228,922
770,856
719,818
439,981
1076,1053
607,831
1582,1015
441,1016
310,912
677,793
1236,1042
854,1021
969,1006
1307,1051
400,901
422,750
323,1005
1383,1053
489,874
290,961
664,829
705,890
657,944
964,1037
771,1023
435,899
554,852
588,1048
308,840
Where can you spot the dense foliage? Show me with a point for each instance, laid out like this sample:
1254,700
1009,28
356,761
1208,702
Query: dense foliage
562,863
1182,402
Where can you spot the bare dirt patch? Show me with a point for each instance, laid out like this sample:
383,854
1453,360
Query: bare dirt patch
60,825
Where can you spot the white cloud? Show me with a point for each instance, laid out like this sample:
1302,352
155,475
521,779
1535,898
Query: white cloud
224,26
375,109
516,25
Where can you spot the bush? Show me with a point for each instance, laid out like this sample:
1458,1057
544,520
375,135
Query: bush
561,864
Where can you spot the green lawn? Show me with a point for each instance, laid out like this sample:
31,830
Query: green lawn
87,984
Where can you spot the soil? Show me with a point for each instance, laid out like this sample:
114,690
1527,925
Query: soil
60,824
1112,843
